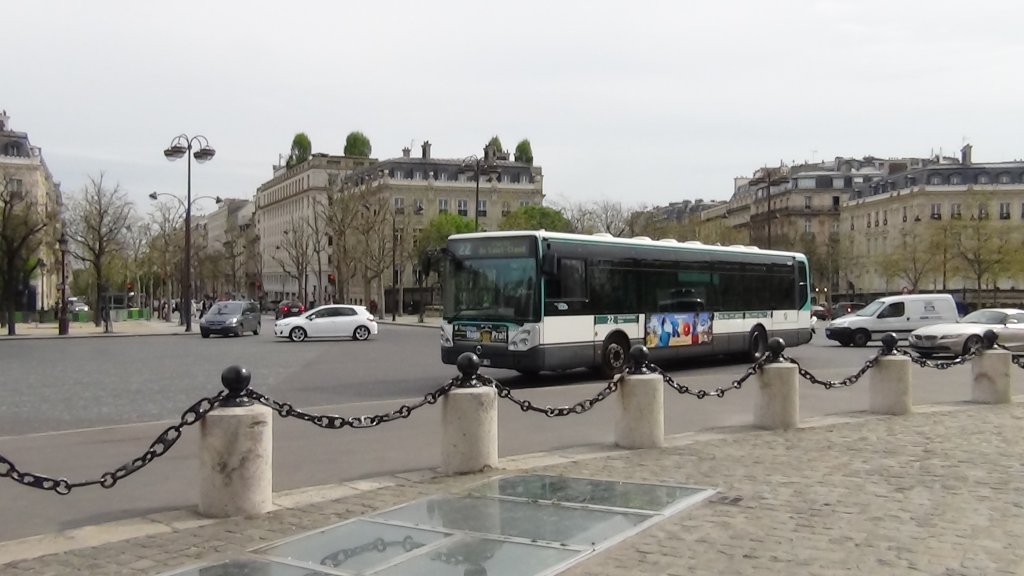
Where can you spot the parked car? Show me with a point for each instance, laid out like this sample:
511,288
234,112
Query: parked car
840,309
331,321
965,335
78,307
898,314
231,318
819,312
288,309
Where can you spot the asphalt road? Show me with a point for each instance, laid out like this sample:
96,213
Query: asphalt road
78,408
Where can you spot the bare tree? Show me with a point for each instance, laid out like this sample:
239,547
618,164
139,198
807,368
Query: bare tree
165,244
372,241
911,259
984,247
20,230
318,242
611,217
340,211
293,254
136,242
579,214
96,226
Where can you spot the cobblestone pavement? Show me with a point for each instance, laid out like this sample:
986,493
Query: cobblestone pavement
937,492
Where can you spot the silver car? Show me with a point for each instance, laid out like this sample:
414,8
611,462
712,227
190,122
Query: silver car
966,334
231,318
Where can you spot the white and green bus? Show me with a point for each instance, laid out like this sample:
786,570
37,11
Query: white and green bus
539,301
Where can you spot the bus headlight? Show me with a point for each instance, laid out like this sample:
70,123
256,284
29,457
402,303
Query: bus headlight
522,339
446,336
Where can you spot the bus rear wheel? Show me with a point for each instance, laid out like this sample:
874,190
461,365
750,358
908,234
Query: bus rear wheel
614,356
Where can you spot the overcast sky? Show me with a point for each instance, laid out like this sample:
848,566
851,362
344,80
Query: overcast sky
643,101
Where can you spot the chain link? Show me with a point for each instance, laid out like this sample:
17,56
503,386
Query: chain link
942,364
701,394
1017,358
339,557
829,384
332,422
553,411
192,415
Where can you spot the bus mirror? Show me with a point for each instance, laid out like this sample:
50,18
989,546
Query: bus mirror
549,264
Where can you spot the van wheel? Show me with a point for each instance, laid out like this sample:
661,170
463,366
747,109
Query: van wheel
861,338
972,343
757,344
614,356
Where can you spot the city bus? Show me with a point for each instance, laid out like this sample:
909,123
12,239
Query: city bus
536,301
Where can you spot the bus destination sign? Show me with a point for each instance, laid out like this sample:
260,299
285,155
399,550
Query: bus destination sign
494,247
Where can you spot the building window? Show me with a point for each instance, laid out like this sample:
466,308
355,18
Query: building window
936,211
835,226
444,176
463,207
984,178
904,213
954,211
524,203
1004,210
807,202
506,208
868,220
1004,178
506,178
15,185
982,211
885,218
839,183
396,173
935,179
955,179
419,205
481,208
442,205
399,205
876,218
807,225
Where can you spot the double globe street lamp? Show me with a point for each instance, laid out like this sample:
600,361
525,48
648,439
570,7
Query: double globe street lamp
181,146
476,166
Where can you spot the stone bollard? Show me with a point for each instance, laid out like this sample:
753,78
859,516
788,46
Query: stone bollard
640,422
235,453
469,414
991,371
889,389
778,400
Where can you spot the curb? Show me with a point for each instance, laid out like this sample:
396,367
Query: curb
186,518
77,336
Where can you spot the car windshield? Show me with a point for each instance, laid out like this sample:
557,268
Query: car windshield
870,309
226,308
984,317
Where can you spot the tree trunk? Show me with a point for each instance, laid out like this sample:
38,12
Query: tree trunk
97,316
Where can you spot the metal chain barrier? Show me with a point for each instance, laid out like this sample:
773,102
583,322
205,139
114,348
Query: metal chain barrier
380,545
332,422
941,364
830,384
1016,357
554,411
157,448
718,392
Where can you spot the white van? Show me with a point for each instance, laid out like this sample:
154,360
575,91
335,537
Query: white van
898,314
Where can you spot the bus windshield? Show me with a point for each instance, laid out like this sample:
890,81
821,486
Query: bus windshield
492,289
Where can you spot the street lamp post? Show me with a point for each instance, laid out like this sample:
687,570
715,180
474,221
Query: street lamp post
62,321
475,165
180,146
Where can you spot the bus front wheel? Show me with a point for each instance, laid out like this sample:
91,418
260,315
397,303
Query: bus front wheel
614,356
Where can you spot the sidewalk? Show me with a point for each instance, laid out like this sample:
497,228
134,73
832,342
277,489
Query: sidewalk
937,492
88,330
412,320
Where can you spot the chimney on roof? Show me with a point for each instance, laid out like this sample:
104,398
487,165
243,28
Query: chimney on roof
406,152
426,149
4,118
965,155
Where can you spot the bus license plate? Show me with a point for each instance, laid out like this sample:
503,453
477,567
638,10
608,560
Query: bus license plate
485,361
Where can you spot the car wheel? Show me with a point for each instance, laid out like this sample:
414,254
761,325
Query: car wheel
757,345
361,333
973,342
297,334
614,355
204,333
861,338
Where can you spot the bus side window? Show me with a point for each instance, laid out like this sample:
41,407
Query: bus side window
571,283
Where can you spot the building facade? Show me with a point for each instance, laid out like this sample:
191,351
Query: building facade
382,207
26,177
945,226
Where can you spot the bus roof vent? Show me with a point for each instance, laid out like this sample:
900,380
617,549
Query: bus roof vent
648,238
669,240
603,234
692,242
